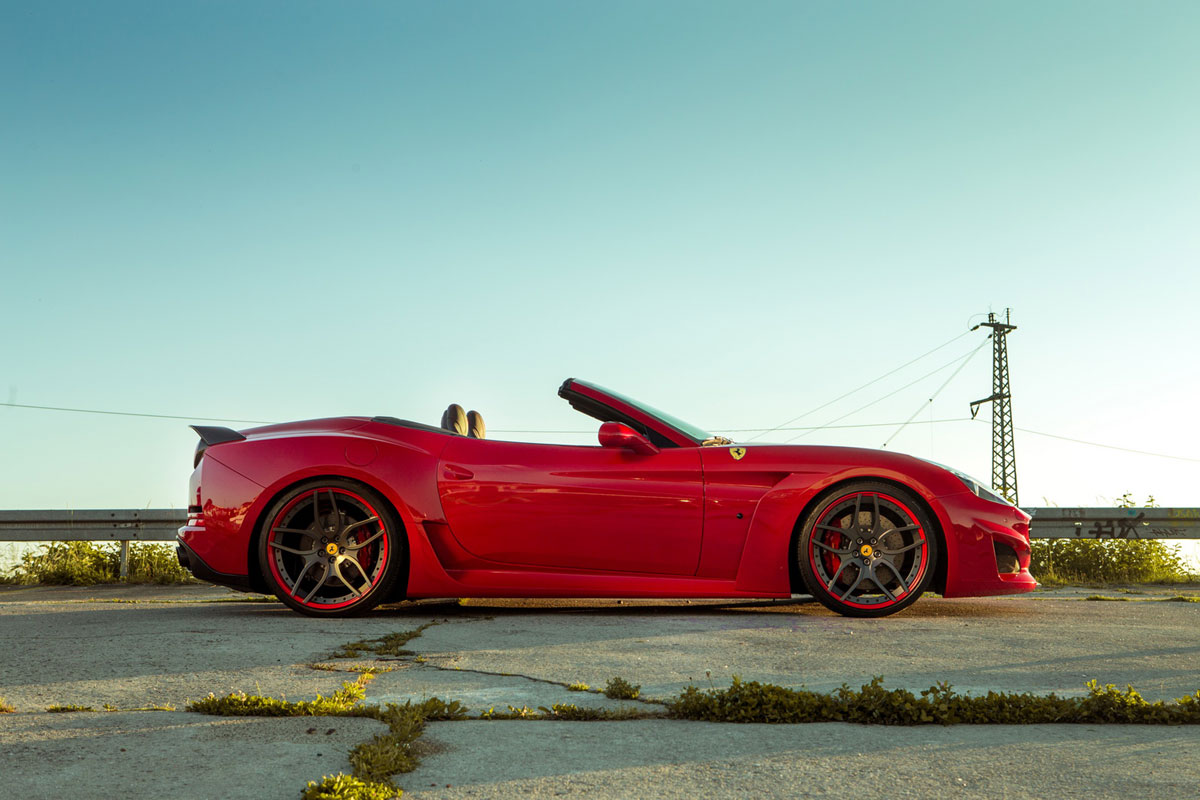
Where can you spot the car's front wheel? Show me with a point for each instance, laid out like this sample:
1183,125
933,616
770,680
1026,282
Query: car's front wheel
867,550
331,548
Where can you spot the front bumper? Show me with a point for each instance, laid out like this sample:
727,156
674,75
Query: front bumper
990,553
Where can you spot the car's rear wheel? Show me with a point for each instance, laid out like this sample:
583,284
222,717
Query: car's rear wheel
867,550
331,548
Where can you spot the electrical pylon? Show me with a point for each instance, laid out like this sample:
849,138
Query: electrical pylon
1004,453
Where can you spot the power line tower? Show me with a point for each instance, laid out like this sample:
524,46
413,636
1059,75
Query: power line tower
1004,453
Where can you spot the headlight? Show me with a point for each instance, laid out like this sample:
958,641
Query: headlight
976,487
979,489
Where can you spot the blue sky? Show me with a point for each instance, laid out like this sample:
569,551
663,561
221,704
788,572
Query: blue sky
736,211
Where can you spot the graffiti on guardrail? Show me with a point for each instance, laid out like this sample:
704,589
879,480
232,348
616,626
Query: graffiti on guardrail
1127,528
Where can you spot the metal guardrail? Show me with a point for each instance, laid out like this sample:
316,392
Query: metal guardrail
161,524
122,525
1114,523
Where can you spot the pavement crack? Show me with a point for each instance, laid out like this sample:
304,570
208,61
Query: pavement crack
535,679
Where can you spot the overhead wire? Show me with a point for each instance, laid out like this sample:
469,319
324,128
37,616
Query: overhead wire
872,382
749,430
886,396
134,414
806,429
1105,446
933,397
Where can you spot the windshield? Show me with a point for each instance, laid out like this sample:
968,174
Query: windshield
699,434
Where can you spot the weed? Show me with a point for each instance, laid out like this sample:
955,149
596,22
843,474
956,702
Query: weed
572,712
874,705
1106,598
375,761
390,645
348,787
239,704
579,687
1182,598
66,709
6,707
87,563
392,753
621,689
359,668
524,712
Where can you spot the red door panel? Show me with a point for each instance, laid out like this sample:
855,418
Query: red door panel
589,508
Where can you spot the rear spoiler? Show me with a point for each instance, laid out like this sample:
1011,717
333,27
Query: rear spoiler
210,435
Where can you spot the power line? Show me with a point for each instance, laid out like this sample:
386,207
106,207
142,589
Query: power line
132,414
885,397
808,429
1107,446
750,430
859,389
494,430
921,407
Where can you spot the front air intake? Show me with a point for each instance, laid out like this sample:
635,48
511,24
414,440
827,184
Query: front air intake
1006,559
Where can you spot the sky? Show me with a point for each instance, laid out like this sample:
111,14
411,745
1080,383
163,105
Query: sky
735,211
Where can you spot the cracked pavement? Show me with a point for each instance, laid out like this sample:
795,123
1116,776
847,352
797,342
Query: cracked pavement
139,646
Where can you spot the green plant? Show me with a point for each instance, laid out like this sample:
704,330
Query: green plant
348,787
88,563
621,689
392,753
874,705
66,709
389,645
374,761
6,707
579,687
574,713
1059,561
239,704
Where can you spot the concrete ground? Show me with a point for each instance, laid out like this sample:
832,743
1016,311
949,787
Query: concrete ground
137,647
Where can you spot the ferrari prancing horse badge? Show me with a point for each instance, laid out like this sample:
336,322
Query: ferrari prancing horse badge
737,453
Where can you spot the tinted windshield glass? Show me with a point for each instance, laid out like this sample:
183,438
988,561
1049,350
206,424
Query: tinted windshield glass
692,431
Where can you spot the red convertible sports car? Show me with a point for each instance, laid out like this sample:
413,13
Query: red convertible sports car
335,516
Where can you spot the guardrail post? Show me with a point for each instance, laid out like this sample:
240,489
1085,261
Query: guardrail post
124,559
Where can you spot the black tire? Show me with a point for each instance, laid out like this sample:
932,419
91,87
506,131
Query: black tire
331,547
868,549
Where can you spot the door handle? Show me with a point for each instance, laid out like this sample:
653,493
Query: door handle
453,472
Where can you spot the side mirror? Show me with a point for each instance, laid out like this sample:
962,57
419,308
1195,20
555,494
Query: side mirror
615,434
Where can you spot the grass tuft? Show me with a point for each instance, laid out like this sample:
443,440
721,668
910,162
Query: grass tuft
621,689
6,707
348,787
374,761
343,702
579,687
390,645
938,705
67,709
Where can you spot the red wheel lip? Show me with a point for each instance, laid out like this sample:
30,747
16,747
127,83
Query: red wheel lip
384,552
924,549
